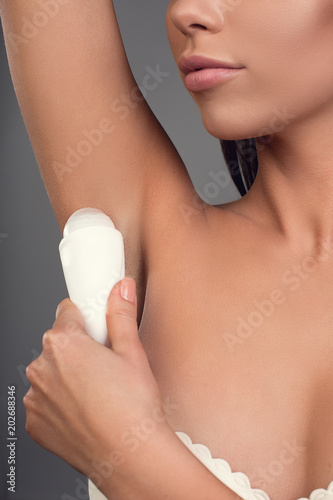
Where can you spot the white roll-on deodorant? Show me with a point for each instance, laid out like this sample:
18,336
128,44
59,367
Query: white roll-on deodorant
93,261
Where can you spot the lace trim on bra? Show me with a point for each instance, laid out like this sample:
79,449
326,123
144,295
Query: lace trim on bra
238,481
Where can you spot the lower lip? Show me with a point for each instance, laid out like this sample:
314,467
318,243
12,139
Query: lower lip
207,78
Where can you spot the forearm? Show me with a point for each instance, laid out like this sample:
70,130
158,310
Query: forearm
162,468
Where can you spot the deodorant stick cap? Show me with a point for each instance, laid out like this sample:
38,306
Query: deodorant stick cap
85,217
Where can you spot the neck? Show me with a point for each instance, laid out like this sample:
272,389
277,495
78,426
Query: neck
293,190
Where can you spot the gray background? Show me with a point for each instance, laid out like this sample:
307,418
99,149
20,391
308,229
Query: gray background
31,279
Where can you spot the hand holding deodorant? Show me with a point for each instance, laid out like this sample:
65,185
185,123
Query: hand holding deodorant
93,261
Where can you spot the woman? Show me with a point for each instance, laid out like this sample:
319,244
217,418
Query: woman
236,329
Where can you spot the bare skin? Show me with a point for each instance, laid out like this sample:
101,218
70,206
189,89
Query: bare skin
248,399
245,398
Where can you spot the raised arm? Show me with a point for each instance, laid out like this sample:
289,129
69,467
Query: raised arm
96,141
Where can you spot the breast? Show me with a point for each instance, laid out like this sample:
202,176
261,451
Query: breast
239,371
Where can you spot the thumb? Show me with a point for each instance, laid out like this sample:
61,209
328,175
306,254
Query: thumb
121,316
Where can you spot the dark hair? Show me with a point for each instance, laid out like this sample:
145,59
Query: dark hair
242,162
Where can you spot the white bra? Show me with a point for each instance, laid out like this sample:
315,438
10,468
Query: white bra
236,481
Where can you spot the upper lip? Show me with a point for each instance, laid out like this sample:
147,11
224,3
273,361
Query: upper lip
195,62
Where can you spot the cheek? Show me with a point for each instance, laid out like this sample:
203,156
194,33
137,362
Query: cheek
287,32
289,53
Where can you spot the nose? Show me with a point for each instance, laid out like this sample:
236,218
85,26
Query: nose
191,16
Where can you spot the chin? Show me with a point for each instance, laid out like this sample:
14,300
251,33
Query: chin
228,130
230,123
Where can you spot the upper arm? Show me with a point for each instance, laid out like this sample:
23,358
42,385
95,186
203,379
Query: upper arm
96,141
87,120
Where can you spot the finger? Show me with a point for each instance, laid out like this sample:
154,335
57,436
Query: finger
121,317
68,316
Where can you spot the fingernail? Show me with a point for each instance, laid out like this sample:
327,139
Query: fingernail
127,289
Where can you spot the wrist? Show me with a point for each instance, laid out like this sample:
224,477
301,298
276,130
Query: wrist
129,470
115,450
163,467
